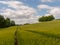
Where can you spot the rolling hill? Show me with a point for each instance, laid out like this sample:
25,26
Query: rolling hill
45,33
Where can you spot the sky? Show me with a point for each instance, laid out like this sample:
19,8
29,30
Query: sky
28,11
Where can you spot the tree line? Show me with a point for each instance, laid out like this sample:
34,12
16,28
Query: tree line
6,22
46,18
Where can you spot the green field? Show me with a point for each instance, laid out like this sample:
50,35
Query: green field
45,33
7,36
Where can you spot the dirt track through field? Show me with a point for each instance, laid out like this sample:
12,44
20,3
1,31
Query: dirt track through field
16,39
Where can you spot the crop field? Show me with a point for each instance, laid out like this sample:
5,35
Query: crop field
7,36
45,33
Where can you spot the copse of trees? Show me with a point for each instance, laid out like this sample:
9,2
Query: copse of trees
46,18
5,22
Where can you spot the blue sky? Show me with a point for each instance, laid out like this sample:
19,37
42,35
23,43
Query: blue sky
28,11
35,3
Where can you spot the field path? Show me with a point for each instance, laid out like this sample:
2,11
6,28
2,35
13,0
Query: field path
16,39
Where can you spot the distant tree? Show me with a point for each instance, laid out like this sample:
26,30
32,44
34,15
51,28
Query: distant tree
26,24
12,23
46,18
7,22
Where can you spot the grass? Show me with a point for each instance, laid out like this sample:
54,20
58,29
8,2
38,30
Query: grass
7,36
45,33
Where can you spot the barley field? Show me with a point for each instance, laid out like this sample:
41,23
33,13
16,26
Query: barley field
45,33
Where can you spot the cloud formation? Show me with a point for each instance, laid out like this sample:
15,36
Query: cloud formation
43,6
47,0
51,10
20,13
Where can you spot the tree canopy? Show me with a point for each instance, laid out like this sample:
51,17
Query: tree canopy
46,18
6,22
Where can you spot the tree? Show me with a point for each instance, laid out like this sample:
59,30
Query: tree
12,23
7,22
46,18
2,21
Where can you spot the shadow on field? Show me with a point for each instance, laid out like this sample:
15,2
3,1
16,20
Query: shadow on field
47,39
45,34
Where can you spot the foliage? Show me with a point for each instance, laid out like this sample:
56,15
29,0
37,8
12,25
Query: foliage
12,23
2,21
5,22
46,18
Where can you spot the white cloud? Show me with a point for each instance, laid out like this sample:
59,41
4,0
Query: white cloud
14,4
47,0
43,6
55,12
51,10
21,13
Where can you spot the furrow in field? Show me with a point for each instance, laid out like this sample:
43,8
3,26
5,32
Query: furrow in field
16,39
45,34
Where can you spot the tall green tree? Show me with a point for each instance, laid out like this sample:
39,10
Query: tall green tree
2,21
5,22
